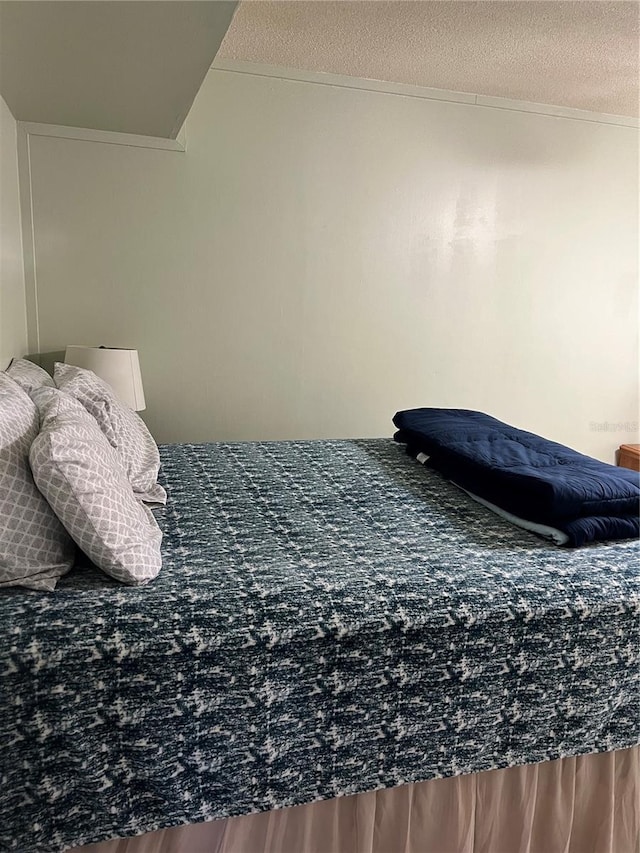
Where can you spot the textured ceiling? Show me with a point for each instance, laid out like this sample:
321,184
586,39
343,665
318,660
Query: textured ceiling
133,67
572,53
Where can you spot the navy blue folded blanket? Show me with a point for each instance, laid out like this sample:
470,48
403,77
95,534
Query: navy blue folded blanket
526,475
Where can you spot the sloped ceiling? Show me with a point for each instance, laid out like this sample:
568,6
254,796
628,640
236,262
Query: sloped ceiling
571,53
132,67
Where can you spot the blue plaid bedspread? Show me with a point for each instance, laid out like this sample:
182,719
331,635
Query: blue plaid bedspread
330,618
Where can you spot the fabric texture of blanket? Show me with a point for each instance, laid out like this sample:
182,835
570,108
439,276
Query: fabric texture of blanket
525,474
330,618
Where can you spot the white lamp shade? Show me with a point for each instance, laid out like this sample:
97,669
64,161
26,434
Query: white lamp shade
119,367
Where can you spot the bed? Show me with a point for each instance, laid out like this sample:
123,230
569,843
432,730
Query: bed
331,619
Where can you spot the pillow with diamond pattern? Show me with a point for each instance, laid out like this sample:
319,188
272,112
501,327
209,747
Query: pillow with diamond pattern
28,375
35,549
125,430
85,482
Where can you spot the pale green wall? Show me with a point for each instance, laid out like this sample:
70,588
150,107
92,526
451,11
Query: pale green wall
321,256
13,329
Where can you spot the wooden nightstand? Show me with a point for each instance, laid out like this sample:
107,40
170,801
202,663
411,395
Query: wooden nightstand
629,456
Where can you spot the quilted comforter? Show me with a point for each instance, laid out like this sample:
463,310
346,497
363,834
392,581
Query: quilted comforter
330,618
527,475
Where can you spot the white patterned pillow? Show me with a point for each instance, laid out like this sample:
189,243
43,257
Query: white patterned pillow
35,549
28,375
124,429
85,482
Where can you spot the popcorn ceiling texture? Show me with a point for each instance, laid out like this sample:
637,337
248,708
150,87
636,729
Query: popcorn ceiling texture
575,54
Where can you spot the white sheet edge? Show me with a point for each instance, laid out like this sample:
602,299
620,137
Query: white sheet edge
552,533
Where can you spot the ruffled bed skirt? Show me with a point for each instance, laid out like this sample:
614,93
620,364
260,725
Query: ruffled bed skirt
589,804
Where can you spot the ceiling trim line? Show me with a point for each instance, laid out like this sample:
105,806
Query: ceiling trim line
84,134
410,91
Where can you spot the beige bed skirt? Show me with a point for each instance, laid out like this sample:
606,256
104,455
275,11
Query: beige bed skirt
589,804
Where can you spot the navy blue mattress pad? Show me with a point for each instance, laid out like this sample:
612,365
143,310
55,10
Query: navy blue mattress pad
525,474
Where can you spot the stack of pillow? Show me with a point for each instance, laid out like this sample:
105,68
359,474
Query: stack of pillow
76,468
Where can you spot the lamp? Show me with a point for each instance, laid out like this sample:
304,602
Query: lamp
119,367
